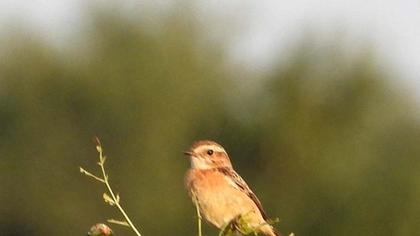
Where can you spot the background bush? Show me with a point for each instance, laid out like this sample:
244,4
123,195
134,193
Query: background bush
325,139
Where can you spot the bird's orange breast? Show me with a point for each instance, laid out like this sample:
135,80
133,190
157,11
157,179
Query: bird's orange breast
218,200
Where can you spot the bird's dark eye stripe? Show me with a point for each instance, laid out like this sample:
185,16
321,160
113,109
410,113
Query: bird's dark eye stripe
210,152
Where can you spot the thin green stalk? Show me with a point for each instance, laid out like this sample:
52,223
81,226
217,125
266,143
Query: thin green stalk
199,218
116,199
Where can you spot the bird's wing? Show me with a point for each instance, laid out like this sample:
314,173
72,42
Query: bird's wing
239,183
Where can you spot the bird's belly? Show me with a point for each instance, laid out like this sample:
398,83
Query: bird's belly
220,204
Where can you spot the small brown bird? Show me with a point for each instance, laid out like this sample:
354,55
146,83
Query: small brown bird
219,192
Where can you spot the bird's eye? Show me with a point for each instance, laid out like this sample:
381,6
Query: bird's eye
210,152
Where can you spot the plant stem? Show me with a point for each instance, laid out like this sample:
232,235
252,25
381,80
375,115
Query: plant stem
199,218
116,200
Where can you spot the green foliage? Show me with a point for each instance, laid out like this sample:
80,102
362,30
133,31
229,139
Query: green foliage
324,140
239,225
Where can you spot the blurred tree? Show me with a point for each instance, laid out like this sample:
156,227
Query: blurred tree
327,143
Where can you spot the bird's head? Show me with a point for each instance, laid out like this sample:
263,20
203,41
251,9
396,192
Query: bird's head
207,155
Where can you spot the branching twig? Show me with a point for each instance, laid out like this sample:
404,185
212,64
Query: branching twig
112,199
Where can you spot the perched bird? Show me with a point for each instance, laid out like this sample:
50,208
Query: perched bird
219,192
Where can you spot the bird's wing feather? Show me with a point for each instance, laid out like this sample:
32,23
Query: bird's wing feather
239,183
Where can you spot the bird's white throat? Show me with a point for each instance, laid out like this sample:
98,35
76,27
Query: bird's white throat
200,163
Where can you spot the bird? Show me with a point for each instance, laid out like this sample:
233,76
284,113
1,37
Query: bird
220,194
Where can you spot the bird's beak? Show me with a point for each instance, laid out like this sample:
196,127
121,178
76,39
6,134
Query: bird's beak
188,153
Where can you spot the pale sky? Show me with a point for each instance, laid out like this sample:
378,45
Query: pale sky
260,30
